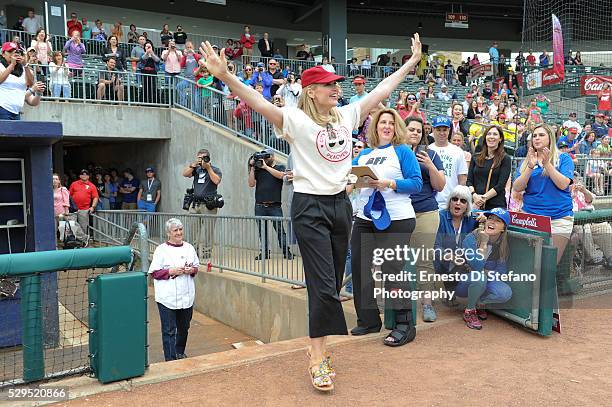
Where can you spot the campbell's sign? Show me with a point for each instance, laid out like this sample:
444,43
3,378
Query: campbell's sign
551,76
592,84
530,221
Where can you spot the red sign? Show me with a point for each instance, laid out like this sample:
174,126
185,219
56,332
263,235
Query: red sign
592,84
456,17
530,221
550,77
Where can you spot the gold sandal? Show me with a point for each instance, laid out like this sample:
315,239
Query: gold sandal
319,378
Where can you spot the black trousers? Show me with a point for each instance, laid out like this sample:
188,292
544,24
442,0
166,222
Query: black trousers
365,239
175,328
322,226
262,210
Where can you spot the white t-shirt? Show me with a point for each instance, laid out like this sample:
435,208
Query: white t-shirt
321,161
569,124
12,91
387,163
454,164
178,292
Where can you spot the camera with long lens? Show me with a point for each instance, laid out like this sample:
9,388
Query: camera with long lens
188,199
259,157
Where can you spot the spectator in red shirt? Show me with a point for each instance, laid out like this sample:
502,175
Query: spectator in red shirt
531,59
74,24
247,40
84,194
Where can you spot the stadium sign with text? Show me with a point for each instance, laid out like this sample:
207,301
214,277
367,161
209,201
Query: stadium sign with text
456,20
530,221
592,84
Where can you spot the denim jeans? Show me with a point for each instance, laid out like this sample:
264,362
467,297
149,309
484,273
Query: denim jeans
182,89
348,271
480,291
57,90
174,327
261,210
6,115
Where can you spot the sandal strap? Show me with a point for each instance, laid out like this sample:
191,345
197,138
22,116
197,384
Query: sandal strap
396,334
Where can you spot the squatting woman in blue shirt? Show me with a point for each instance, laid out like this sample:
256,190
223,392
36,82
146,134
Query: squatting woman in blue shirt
545,176
491,246
385,219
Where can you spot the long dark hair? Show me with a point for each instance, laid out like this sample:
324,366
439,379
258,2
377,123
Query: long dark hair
499,153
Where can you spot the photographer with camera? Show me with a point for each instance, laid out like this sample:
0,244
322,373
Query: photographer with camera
203,198
267,179
15,79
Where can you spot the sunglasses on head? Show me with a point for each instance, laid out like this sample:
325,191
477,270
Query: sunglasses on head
457,199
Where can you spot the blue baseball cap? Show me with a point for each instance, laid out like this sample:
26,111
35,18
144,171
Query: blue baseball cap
377,206
150,169
441,121
500,213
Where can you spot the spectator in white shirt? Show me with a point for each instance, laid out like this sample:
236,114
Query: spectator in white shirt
443,94
175,263
572,123
31,23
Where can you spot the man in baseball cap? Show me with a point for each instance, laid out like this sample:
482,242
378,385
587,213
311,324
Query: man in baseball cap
359,82
149,192
570,140
599,127
9,47
455,167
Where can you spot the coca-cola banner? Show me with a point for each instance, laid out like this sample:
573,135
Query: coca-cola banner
551,76
592,84
530,221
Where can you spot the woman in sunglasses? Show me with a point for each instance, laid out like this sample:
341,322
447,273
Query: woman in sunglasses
386,198
456,223
411,108
320,135
492,246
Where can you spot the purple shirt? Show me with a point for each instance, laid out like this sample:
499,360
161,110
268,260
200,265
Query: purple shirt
74,54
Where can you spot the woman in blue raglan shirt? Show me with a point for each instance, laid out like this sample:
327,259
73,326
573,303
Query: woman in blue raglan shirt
545,176
484,286
385,219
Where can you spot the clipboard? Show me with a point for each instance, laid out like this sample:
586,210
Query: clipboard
362,171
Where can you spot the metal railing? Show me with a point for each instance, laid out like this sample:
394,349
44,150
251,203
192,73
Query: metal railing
229,243
227,112
103,86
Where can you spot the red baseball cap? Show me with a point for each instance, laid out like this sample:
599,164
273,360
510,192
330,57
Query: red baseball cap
9,46
318,74
502,116
600,115
573,130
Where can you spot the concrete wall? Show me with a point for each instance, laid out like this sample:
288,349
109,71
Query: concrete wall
102,120
137,137
266,311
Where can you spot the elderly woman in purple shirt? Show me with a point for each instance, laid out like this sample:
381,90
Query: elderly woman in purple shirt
74,50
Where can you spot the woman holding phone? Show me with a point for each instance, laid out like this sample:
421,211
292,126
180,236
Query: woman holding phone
425,205
320,137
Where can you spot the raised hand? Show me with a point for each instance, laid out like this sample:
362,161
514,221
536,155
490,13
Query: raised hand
217,65
416,47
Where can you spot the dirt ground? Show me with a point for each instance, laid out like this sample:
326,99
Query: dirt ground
501,365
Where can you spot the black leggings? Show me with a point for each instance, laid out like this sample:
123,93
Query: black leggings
322,226
365,239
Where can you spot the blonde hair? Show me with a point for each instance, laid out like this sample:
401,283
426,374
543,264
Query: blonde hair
307,105
552,146
399,132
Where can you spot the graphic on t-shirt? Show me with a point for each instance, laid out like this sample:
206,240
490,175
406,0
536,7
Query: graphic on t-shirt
376,161
334,144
